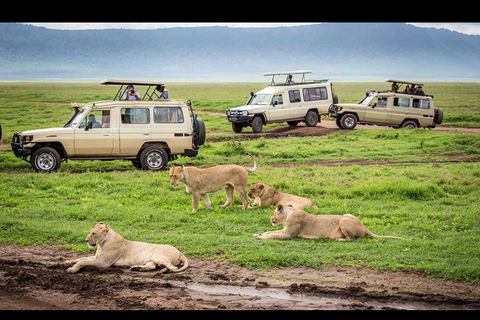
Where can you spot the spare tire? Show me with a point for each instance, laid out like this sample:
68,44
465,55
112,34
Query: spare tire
438,118
201,133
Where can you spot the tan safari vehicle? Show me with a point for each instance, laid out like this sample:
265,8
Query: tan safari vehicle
396,108
149,132
291,102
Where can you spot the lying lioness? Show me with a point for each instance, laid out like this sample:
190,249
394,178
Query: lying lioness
298,223
114,250
267,196
201,182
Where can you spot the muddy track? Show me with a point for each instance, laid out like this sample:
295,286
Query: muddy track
34,278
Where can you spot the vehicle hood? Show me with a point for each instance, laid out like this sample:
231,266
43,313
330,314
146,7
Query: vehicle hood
249,107
45,132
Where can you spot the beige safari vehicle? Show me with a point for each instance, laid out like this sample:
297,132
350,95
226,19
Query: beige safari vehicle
291,102
395,108
149,132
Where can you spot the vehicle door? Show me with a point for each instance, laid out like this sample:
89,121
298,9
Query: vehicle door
172,125
135,129
400,110
295,109
277,110
421,111
376,111
94,137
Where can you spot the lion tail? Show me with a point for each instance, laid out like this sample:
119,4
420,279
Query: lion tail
184,262
386,237
254,163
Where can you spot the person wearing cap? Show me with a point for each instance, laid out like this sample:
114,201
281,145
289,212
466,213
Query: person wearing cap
419,91
131,93
164,95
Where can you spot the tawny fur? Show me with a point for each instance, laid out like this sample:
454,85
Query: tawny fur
200,182
265,195
298,223
114,250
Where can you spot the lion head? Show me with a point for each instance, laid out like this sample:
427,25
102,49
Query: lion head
176,175
256,189
280,214
97,235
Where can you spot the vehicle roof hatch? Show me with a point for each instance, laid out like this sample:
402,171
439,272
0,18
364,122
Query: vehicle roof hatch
123,83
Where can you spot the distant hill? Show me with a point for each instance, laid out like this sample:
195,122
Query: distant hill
337,51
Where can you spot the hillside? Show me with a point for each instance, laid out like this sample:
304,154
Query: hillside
338,51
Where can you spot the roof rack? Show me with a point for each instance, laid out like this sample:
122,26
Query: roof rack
124,82
273,74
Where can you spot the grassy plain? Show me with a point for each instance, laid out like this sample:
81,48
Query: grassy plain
421,195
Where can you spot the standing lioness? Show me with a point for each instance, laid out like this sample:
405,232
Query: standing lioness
298,223
267,196
114,250
201,182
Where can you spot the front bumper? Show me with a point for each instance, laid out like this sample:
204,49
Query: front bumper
238,117
18,148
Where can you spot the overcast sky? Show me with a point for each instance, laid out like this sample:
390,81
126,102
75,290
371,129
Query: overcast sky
467,28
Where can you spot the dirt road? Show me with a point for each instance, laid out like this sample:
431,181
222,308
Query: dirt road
34,278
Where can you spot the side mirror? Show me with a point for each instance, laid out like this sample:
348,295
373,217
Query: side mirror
89,125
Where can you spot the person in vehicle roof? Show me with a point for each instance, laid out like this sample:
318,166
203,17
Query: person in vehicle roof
131,93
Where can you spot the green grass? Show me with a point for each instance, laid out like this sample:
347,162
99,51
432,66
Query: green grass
421,195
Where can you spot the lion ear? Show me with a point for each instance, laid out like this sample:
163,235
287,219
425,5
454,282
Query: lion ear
262,186
280,207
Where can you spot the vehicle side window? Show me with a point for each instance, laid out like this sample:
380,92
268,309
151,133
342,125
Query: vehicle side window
401,102
294,95
277,99
135,115
381,102
313,94
167,115
97,118
421,103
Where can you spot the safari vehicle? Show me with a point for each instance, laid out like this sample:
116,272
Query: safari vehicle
303,101
395,108
148,132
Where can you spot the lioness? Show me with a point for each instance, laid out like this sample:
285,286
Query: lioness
298,223
267,196
201,182
114,250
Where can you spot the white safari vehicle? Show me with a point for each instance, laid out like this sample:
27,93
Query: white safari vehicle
288,101
149,132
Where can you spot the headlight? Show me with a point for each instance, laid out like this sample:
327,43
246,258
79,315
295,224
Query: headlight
228,112
244,113
27,139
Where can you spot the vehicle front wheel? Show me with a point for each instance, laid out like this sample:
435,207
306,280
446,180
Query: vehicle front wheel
257,124
237,127
153,158
45,160
348,121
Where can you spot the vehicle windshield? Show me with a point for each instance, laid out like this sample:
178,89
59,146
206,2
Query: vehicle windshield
261,99
77,118
367,99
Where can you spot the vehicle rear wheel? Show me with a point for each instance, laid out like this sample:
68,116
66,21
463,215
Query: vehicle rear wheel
45,160
153,158
409,124
237,127
311,119
348,121
292,123
257,124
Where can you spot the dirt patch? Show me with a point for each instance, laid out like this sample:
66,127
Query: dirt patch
34,278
